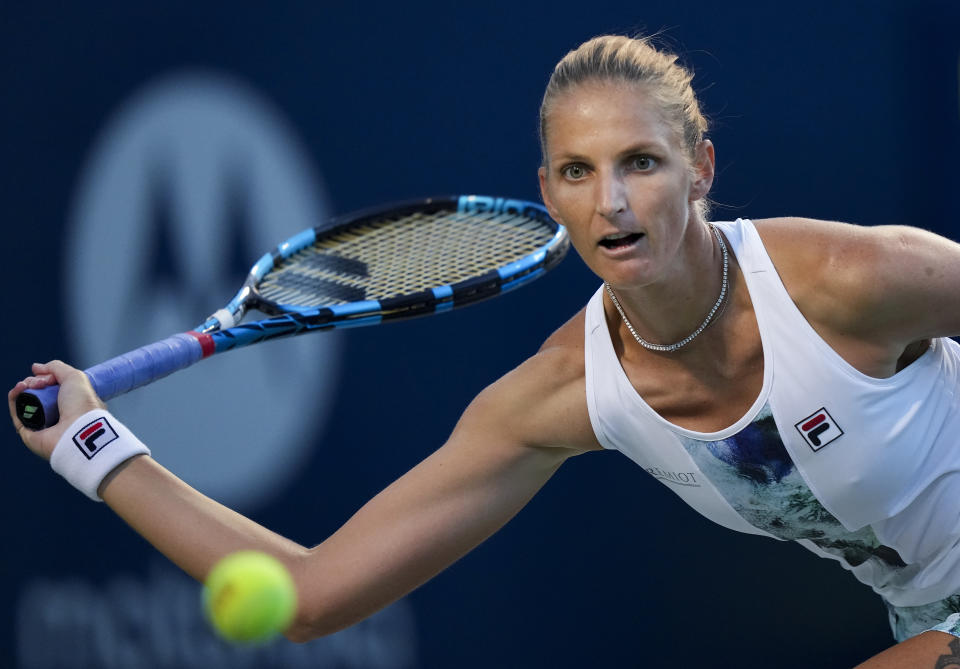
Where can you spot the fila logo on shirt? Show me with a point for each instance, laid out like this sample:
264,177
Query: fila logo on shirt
92,437
819,429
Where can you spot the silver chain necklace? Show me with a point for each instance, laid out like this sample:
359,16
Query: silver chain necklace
703,326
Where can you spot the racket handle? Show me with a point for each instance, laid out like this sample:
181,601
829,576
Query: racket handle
38,409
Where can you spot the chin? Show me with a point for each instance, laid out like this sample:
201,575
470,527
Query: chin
626,272
625,280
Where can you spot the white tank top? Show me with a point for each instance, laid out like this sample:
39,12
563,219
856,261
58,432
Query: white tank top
862,470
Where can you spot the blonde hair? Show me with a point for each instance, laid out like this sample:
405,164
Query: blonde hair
634,60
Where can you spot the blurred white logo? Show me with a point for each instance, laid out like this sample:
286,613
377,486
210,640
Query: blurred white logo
188,185
155,620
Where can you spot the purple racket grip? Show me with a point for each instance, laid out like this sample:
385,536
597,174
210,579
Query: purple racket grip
144,365
38,409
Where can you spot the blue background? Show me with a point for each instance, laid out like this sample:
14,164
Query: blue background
835,110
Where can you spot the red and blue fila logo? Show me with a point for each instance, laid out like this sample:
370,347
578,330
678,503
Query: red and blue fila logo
92,437
819,429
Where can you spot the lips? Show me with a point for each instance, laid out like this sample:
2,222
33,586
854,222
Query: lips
621,240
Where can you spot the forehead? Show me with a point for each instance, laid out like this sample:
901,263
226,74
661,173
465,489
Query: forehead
596,115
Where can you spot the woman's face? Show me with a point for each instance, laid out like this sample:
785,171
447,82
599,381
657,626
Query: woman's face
617,177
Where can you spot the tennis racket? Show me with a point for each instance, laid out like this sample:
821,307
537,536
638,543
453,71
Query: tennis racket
399,261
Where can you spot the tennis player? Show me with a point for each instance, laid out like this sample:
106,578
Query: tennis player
786,377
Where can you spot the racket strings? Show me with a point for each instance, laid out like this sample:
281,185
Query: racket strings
402,255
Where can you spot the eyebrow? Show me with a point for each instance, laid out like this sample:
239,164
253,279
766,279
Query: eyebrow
643,146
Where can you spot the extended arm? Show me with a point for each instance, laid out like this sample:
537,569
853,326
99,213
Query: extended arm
496,459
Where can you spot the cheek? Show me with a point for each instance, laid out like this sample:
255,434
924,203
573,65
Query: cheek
673,197
580,243
577,228
576,217
572,207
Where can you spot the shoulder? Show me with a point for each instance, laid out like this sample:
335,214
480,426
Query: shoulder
799,246
542,402
832,270
888,286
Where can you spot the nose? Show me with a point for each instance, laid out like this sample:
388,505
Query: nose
611,196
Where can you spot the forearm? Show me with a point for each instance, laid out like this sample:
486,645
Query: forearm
412,530
491,466
191,529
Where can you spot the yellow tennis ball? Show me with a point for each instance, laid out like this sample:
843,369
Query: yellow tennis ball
249,596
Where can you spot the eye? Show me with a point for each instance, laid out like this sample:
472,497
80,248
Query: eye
642,163
574,171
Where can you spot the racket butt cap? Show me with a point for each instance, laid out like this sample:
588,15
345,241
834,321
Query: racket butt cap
38,409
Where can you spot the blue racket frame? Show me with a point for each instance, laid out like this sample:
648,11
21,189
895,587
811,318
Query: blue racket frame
38,408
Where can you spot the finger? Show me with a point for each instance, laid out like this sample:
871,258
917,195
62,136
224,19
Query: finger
61,372
40,442
40,368
16,390
41,381
12,402
22,432
31,439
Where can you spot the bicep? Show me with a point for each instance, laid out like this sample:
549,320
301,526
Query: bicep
914,283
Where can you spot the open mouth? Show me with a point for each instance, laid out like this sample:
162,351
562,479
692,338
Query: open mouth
621,240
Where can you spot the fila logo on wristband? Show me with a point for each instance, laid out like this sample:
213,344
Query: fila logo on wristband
73,456
94,436
819,429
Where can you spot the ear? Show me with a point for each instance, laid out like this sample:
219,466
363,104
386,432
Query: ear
545,195
703,170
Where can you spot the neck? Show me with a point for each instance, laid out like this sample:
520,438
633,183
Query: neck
675,309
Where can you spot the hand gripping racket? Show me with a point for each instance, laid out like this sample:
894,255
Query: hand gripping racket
399,261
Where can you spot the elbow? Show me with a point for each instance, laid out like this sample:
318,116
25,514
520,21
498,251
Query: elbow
301,631
306,627
307,624
325,604
315,617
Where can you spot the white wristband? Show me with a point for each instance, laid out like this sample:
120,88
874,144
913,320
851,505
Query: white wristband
92,447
